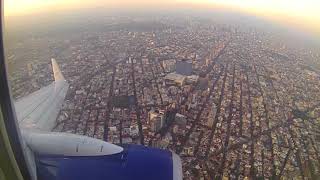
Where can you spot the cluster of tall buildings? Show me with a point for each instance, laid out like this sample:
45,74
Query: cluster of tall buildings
156,120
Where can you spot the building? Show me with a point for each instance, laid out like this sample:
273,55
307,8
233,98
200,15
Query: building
156,120
212,115
127,140
156,124
203,83
116,113
30,69
169,65
192,79
113,129
184,67
188,151
145,60
131,60
181,120
134,131
174,79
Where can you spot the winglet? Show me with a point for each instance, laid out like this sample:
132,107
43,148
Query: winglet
56,71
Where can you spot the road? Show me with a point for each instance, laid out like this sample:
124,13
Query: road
137,107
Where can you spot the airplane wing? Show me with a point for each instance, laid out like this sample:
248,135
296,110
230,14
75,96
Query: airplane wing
64,156
39,110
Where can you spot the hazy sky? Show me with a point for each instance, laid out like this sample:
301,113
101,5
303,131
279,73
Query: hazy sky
302,13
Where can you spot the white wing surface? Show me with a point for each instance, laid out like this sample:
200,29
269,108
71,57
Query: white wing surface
39,110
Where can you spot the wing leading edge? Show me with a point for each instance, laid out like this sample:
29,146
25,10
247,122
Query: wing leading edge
39,110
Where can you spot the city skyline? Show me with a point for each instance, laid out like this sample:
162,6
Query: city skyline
297,13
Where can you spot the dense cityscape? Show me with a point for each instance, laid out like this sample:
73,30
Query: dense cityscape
230,101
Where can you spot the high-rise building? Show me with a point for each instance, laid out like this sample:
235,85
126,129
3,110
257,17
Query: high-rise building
30,69
156,120
156,124
212,115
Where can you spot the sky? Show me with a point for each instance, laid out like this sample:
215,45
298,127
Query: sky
301,13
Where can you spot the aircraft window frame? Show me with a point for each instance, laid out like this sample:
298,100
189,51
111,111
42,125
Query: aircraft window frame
8,112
